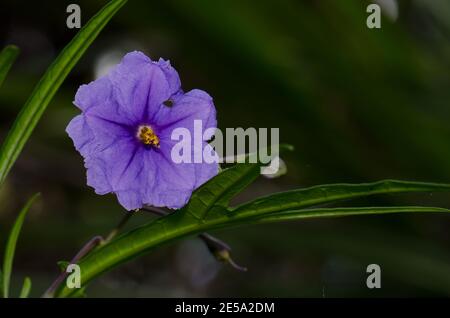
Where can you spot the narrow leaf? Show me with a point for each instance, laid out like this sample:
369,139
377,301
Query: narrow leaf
325,194
1,283
63,265
221,189
26,288
11,245
340,212
80,293
7,57
215,215
213,194
49,84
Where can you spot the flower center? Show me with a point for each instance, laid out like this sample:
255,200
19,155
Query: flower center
147,136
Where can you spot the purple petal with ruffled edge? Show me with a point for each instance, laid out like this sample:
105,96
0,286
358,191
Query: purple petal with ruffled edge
113,108
171,75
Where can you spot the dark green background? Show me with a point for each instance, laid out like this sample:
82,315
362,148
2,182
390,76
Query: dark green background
359,105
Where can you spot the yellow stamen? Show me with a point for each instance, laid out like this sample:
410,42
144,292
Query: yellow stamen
147,136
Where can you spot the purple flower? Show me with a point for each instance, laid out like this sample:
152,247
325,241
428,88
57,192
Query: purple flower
124,133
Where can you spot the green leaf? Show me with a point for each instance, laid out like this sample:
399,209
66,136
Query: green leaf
208,210
79,293
7,57
63,265
26,288
11,245
221,189
211,197
43,93
324,194
340,212
1,283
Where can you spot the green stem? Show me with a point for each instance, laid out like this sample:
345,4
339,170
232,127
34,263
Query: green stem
118,228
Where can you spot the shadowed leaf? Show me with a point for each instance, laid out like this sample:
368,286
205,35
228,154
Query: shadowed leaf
208,210
7,57
26,288
325,194
11,245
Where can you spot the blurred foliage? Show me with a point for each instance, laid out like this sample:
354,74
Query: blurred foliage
358,105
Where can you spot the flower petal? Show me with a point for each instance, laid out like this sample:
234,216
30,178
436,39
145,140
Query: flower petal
92,94
115,168
140,86
171,75
113,107
194,105
81,135
97,99
173,183
96,175
205,171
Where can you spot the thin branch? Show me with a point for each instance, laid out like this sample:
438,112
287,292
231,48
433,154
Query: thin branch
118,228
155,210
88,247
